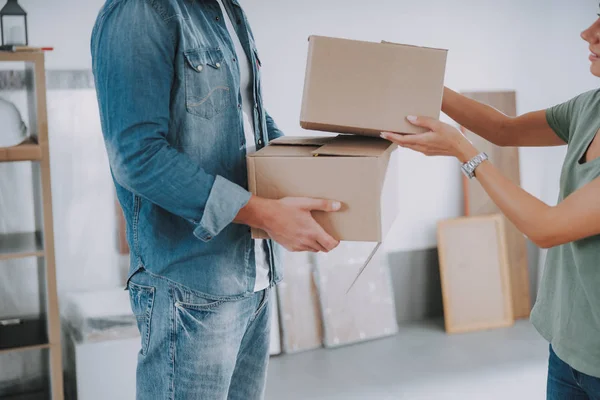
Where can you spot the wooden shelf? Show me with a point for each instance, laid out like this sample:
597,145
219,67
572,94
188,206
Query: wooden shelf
29,396
28,151
25,348
29,56
30,334
35,333
20,245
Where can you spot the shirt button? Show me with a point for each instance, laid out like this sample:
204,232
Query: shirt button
218,19
233,59
199,68
240,106
256,105
218,65
260,142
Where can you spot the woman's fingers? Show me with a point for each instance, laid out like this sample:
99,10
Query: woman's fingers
426,122
427,151
397,138
430,139
423,143
441,140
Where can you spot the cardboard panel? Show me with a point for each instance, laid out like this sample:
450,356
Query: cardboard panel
354,181
474,274
477,202
301,327
365,88
368,311
275,342
349,169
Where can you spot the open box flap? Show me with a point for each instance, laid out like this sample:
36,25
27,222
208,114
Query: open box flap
302,141
342,146
355,146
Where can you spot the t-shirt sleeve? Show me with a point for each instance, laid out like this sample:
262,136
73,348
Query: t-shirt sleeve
561,117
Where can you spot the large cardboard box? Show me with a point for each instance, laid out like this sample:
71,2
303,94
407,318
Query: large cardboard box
350,169
365,88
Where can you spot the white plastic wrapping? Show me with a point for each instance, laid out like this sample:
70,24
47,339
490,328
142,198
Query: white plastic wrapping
14,130
98,316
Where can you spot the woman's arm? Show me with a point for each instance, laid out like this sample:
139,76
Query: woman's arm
577,217
529,129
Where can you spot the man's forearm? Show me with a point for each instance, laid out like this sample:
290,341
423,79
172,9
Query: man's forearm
169,179
254,213
135,118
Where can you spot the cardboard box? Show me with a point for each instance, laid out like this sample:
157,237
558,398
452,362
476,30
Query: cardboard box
350,169
365,88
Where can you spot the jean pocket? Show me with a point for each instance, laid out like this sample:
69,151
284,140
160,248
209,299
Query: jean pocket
142,303
199,304
200,317
207,83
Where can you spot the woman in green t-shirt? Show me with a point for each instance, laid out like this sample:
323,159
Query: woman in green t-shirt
567,311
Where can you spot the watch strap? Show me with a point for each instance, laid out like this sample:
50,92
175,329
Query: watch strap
470,166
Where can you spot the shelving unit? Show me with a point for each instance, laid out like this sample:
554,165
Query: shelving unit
21,245
40,332
28,335
29,151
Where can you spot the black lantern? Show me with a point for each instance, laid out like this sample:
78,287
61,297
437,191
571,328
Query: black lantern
13,24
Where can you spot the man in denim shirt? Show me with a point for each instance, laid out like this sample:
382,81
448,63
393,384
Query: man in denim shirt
180,100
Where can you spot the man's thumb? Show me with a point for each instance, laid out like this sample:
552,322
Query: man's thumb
320,205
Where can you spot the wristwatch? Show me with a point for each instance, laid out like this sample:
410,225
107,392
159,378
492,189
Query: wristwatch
469,167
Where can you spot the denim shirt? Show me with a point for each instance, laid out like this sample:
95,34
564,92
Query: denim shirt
168,87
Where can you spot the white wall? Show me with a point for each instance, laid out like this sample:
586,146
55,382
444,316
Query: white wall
531,46
65,25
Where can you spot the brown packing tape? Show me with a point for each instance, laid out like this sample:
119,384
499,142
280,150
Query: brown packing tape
364,266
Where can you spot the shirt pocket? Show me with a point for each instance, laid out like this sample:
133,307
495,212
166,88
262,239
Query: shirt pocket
207,83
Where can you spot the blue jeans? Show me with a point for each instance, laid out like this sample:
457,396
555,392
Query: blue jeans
196,347
565,383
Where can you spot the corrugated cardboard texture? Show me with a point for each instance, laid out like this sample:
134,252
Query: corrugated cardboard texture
477,201
368,310
354,172
474,274
365,88
301,325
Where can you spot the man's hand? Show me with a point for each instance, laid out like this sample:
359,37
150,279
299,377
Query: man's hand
290,223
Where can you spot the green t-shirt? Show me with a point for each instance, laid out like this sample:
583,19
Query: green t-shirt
567,310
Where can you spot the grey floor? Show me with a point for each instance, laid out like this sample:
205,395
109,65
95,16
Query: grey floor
421,362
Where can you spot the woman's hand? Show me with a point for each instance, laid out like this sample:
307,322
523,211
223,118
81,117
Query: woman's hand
441,140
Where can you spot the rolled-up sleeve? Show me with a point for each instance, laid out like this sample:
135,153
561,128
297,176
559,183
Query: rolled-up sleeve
273,131
133,53
224,202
